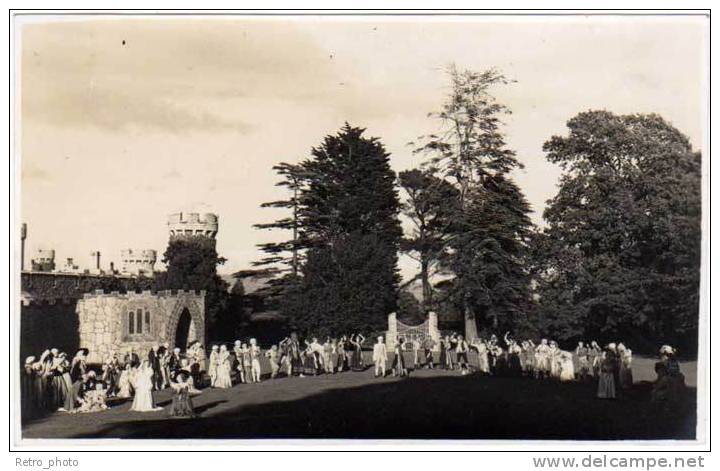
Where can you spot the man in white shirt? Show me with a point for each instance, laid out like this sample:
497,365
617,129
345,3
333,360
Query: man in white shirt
380,357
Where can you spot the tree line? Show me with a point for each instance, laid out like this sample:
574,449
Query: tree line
617,254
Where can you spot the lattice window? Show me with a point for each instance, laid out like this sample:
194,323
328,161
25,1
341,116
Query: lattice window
138,322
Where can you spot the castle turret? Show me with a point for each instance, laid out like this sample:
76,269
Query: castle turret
44,260
138,262
183,225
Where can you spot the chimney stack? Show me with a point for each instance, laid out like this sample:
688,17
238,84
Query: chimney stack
96,254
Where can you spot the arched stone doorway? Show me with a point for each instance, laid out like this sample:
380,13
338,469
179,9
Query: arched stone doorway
182,332
186,324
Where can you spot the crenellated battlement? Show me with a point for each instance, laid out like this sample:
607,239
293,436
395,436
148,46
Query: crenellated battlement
139,255
138,262
193,224
99,293
44,260
26,301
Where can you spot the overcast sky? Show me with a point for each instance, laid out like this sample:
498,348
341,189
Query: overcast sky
126,121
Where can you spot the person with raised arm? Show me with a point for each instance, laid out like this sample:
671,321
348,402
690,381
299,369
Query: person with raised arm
461,350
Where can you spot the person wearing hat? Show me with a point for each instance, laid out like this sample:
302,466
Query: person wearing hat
61,383
78,366
182,406
175,363
669,386
606,382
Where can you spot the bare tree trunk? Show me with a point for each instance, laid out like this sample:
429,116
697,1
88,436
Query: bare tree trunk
426,287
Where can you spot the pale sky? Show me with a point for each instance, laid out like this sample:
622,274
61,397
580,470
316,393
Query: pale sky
192,113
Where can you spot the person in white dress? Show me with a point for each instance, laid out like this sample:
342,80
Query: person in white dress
567,368
542,359
124,386
213,365
482,351
223,380
554,354
143,401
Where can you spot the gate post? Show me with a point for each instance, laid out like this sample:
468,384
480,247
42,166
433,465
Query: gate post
392,331
433,330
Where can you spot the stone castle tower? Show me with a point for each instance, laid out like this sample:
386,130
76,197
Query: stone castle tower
44,260
193,225
138,262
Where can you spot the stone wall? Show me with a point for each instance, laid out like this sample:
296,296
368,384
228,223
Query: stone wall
48,311
104,320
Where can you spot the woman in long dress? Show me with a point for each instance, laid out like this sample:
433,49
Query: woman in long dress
213,363
606,383
143,401
625,363
444,342
182,406
398,366
124,386
513,356
62,384
357,359
554,360
567,368
340,349
528,355
69,395
223,380
482,353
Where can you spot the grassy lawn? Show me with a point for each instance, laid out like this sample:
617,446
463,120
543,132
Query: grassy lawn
429,404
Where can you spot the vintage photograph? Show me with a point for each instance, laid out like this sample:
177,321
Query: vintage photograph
372,226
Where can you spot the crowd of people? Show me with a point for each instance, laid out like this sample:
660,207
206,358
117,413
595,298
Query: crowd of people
53,382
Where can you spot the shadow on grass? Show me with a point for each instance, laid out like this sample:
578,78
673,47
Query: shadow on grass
471,407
